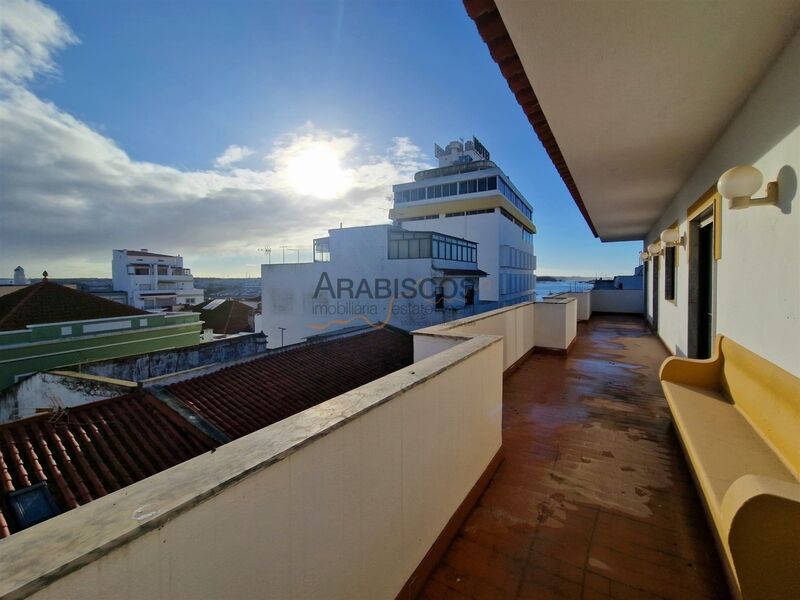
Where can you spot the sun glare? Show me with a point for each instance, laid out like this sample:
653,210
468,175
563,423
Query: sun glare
316,171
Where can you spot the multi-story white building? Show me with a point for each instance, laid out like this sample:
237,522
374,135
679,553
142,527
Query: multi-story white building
154,281
469,196
375,275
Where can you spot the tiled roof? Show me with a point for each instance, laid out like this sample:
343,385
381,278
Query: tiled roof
229,317
91,450
88,451
48,302
246,397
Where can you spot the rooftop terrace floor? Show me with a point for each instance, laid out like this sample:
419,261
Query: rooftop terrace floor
594,498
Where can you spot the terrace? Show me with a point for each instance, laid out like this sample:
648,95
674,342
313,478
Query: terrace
593,498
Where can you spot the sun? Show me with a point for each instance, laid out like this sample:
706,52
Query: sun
315,170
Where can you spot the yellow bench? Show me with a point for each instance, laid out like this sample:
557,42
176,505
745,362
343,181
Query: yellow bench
738,419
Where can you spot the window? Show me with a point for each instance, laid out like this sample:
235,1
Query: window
482,185
491,183
669,273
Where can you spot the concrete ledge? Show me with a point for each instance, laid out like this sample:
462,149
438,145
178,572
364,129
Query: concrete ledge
94,532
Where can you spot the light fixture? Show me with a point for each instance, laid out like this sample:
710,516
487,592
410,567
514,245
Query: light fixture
654,249
672,237
740,183
644,255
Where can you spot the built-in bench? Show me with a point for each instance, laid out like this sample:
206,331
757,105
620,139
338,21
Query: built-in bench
738,419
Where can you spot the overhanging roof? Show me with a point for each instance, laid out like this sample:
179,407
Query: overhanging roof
629,96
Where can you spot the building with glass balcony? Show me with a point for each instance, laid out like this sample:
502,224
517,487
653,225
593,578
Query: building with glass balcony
469,196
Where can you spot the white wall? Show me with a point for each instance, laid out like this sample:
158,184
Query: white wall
52,391
483,229
358,252
515,323
584,299
758,276
618,301
556,323
340,501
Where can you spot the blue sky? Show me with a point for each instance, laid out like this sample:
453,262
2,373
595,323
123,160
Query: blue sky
115,114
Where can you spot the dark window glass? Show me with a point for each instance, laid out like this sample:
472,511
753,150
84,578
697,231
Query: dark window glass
425,248
453,189
473,186
482,185
669,273
491,183
463,187
430,191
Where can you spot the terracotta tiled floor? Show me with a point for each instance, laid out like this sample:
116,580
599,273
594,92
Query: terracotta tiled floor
594,499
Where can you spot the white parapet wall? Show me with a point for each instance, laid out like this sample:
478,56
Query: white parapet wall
339,501
618,301
584,300
515,324
556,323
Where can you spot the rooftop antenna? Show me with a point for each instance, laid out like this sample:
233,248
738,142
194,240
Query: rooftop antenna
267,252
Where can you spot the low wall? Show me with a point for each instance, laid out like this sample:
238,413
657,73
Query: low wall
514,323
339,501
57,389
155,364
556,323
618,301
584,300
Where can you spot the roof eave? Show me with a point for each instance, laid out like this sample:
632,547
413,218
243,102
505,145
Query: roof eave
494,33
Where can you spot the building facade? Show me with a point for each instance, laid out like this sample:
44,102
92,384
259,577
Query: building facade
469,196
371,275
154,281
47,326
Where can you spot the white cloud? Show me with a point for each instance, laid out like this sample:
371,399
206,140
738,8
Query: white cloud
30,33
71,194
233,154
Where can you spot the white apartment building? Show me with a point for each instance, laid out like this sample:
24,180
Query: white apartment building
154,281
372,275
469,196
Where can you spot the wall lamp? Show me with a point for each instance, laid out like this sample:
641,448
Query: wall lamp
654,249
740,183
673,237
644,256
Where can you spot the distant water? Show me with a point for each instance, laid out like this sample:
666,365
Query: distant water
548,288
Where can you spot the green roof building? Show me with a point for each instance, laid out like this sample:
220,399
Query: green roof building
48,326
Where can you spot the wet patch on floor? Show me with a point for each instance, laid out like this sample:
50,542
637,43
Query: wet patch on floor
593,497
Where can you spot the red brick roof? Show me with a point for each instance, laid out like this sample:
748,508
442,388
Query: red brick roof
89,451
229,317
246,397
48,302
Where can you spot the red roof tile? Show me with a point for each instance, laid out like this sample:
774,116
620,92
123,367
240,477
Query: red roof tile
88,451
48,302
249,396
